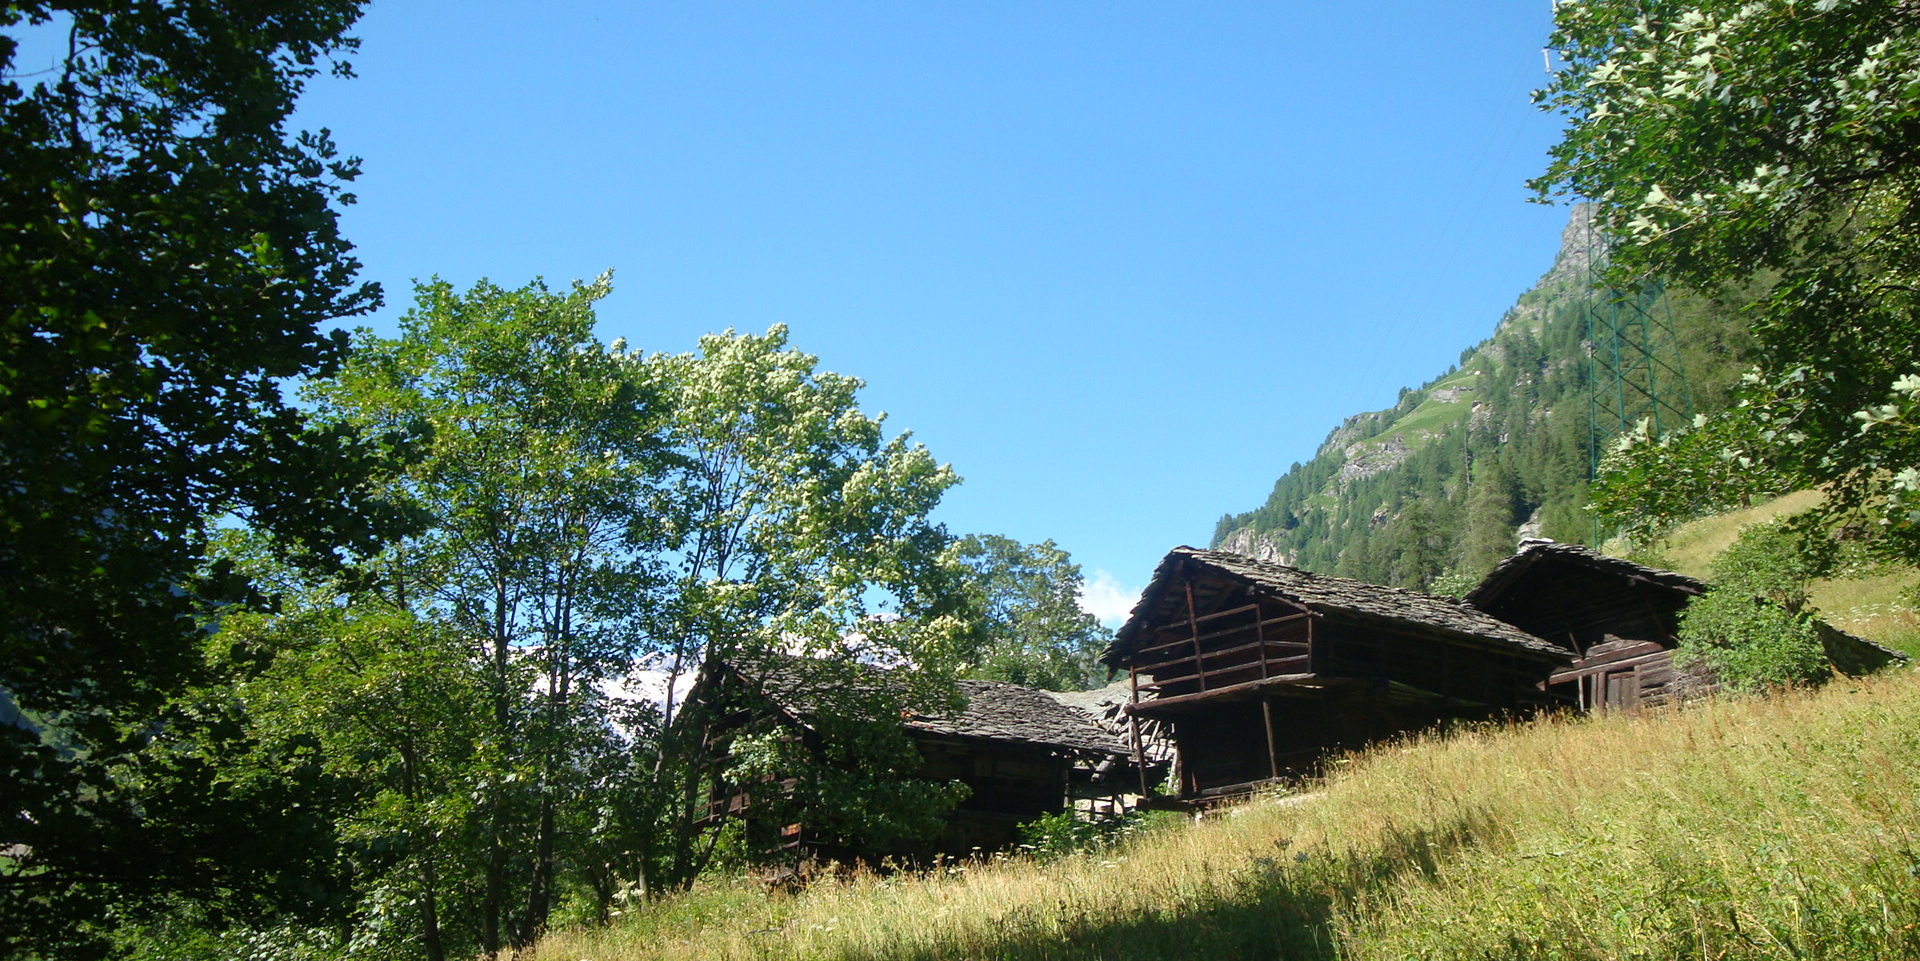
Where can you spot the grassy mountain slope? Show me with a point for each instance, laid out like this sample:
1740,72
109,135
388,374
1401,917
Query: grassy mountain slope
1869,598
1738,828
1445,479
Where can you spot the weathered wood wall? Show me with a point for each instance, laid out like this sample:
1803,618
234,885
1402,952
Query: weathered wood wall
1584,608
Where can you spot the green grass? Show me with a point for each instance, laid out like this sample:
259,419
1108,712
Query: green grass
1781,827
1430,415
1875,604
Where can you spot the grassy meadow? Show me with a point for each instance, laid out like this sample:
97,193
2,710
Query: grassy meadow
1782,827
1872,600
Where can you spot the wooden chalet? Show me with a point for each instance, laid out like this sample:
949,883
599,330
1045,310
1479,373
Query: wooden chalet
1260,671
1620,619
1021,753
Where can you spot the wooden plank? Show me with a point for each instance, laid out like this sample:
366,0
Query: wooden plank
1194,625
1608,667
1260,638
1133,727
1224,791
1313,664
1161,682
1150,705
1222,652
1228,632
1216,615
1639,651
1273,756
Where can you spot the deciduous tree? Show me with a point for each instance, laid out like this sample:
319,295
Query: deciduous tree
1726,141
1031,628
1752,628
795,526
539,478
168,256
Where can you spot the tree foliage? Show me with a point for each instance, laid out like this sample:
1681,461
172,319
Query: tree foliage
536,471
846,772
390,708
794,525
1030,628
168,255
1726,143
1750,644
468,690
1648,483
790,512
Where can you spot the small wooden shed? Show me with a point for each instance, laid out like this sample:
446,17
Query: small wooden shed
1261,670
1620,618
1021,753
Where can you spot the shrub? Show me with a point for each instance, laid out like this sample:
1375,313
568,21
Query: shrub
1752,643
1752,629
1054,835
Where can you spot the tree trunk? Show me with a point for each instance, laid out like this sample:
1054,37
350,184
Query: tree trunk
429,883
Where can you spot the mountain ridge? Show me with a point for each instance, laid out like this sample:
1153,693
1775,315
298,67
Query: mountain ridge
1444,482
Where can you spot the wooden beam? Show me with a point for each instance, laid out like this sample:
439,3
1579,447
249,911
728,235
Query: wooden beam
1601,666
1160,682
1260,638
1313,653
1133,727
1216,615
1266,715
1283,680
1193,625
1227,632
1290,648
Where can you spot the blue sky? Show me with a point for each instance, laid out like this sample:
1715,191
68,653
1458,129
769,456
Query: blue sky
1120,264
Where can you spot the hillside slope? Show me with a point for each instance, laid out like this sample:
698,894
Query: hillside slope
1496,446
1873,598
1736,828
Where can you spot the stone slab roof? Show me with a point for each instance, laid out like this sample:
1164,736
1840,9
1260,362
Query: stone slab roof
995,711
1107,707
1327,595
1008,712
1533,552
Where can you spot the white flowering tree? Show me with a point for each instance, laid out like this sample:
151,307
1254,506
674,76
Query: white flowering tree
1648,482
1725,142
795,527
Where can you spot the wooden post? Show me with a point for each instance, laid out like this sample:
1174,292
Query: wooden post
1193,625
1133,728
1273,757
1260,637
1313,650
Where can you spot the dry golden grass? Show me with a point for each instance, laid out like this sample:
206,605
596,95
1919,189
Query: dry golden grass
1692,546
1735,828
1874,602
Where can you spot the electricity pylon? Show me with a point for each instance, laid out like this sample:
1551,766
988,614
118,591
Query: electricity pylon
1634,370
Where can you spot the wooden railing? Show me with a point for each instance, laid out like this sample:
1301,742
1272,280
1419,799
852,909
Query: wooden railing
1238,652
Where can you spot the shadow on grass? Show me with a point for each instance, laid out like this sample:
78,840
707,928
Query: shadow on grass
1270,907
